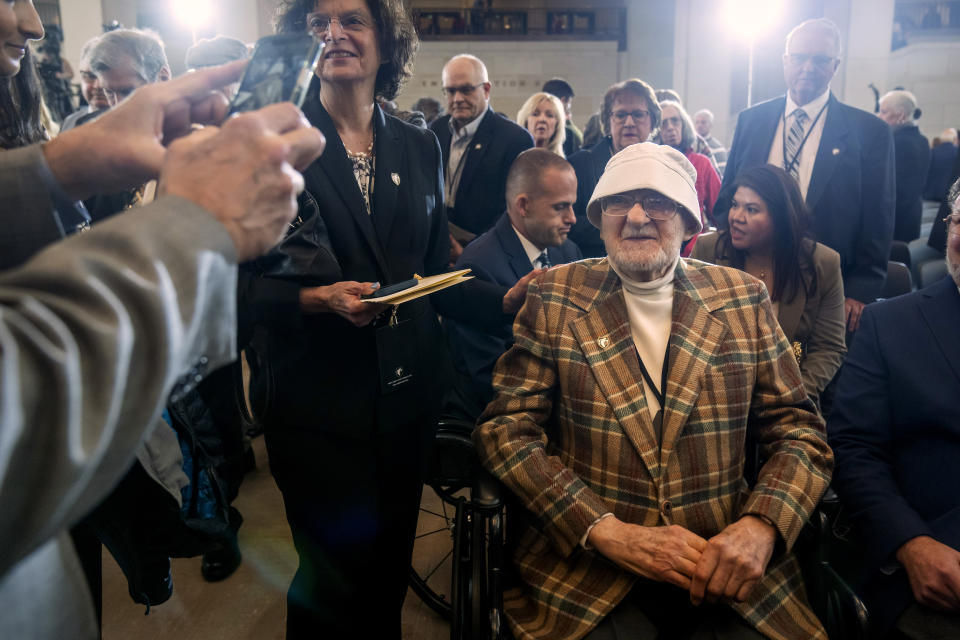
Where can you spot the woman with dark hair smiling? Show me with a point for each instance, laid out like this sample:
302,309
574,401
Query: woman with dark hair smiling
769,238
21,94
347,390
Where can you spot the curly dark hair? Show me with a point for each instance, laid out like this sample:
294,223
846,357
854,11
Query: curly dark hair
634,86
396,37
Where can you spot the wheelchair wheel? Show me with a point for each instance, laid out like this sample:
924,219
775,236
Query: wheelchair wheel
431,569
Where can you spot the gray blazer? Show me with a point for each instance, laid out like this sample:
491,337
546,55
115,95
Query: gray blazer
817,322
94,333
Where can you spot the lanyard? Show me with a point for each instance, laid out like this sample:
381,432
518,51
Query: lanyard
660,392
788,167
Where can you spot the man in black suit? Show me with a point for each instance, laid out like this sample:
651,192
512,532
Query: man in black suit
531,236
478,148
896,436
842,158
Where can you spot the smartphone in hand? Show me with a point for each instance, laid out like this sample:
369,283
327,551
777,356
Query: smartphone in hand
280,70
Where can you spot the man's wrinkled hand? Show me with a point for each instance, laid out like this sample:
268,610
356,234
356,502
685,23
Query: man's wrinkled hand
514,298
665,554
245,173
934,572
733,561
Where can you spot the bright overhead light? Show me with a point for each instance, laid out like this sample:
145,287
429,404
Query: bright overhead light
195,14
751,18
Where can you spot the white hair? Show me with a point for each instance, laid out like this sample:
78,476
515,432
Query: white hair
902,102
822,25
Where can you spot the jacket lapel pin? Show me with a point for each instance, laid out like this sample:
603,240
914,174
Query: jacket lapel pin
604,342
396,178
479,145
836,151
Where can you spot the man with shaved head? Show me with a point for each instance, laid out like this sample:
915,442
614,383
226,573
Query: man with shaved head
531,236
478,148
841,157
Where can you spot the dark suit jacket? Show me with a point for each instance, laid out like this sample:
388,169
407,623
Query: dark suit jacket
481,194
851,192
497,256
817,322
589,165
319,372
896,433
913,162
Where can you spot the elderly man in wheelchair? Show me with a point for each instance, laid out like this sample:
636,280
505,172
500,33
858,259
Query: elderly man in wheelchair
620,423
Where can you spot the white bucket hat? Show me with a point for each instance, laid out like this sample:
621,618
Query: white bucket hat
647,165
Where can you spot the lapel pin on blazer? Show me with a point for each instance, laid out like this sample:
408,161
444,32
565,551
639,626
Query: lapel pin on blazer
396,178
479,145
604,342
836,151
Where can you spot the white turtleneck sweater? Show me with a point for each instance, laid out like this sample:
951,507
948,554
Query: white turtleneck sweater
650,310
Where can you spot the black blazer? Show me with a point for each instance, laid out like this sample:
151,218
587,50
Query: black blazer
851,191
589,165
895,433
319,372
913,162
497,257
481,194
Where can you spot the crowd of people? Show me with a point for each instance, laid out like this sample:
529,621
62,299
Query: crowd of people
653,347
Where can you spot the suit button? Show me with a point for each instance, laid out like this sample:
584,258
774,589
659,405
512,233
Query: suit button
666,508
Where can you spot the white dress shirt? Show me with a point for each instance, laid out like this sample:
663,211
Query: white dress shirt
459,142
808,153
533,253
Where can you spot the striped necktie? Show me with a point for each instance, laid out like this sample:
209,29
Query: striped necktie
794,142
543,261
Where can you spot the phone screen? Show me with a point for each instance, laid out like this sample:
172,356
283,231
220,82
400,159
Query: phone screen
280,70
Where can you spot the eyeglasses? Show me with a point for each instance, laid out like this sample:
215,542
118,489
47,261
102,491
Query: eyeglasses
464,90
621,116
800,59
655,206
319,24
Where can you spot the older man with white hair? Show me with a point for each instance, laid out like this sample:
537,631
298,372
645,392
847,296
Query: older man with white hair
912,151
703,123
841,157
620,423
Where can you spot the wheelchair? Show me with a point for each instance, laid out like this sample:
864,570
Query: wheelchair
463,576
457,567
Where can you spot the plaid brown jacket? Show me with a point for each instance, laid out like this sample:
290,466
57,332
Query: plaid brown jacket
569,433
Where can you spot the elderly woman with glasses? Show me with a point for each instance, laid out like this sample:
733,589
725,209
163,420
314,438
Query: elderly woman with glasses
676,130
630,112
347,390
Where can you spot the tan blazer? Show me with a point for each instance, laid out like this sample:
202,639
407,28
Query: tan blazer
817,323
569,433
94,332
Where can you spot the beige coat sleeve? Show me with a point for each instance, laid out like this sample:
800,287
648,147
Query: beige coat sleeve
94,333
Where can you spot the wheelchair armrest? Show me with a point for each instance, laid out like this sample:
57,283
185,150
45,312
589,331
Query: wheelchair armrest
486,494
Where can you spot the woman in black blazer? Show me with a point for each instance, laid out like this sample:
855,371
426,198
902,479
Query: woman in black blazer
769,238
347,391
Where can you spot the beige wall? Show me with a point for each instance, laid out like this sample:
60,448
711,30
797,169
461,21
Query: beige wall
519,69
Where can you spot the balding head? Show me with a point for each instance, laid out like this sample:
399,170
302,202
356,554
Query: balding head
466,87
541,190
898,108
703,122
811,59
